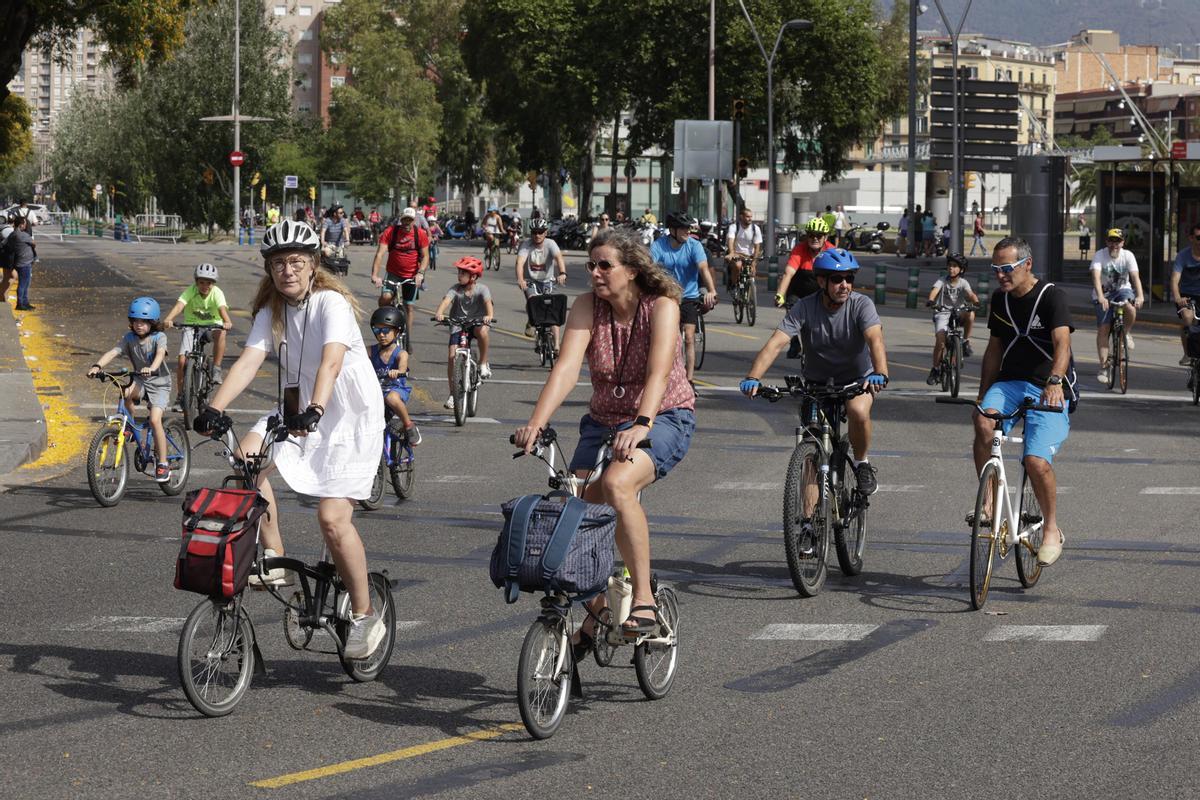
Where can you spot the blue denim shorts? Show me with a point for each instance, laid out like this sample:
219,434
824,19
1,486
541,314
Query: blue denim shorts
669,440
1044,432
1114,298
399,386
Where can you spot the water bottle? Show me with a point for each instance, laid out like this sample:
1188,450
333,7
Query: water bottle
620,596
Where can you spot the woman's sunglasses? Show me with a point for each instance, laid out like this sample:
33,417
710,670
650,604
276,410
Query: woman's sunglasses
1006,269
602,265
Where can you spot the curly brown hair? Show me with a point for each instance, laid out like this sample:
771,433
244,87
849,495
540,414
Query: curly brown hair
266,295
651,278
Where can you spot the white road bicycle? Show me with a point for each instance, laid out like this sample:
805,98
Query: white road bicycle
465,390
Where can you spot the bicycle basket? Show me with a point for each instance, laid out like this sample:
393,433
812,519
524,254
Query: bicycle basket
546,309
219,541
548,545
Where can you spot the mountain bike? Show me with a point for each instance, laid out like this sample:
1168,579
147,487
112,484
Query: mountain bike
1008,528
466,369
197,373
218,648
397,464
952,352
821,495
547,675
108,455
744,295
491,253
1118,351
395,286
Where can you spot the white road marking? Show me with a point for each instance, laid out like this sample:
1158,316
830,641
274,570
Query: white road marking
1046,633
456,479
408,624
745,486
1171,490
814,632
901,488
129,624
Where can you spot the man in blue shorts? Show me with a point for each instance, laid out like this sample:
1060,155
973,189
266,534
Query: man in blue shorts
1028,355
684,258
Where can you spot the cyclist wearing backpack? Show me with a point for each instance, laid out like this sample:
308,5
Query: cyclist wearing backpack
406,249
1028,356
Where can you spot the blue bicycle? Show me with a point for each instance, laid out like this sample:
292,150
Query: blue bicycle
397,464
107,456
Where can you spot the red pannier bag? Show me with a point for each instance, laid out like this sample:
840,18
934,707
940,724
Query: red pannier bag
219,541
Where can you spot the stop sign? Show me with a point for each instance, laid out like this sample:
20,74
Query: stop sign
237,158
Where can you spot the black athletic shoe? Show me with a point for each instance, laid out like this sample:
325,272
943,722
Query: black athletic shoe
865,474
935,375
967,351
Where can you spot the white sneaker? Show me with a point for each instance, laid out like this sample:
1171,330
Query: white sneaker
485,371
273,577
366,632
218,376
1102,375
1129,340
449,404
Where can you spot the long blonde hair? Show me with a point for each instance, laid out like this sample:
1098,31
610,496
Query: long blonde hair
651,278
267,296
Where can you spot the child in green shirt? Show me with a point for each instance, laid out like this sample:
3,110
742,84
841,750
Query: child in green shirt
202,303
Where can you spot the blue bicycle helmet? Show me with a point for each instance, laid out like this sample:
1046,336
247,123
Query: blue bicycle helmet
144,308
835,260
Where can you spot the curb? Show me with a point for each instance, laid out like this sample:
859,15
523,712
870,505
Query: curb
23,425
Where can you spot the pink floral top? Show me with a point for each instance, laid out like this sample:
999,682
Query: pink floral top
606,352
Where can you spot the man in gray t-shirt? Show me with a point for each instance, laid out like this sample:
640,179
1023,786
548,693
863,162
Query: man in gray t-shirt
843,342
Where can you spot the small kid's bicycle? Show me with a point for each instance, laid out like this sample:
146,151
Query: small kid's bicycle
466,369
397,464
218,649
546,673
197,373
952,352
108,456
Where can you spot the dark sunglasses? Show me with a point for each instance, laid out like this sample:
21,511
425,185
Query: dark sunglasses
383,329
1110,241
840,277
602,264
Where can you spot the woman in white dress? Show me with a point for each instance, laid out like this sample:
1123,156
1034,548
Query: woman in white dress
310,320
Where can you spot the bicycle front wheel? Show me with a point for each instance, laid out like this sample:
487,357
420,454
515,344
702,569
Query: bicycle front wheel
1032,522
956,357
368,669
179,458
656,661
983,541
216,657
473,391
805,554
700,342
188,396
737,302
1121,361
543,678
107,466
751,305
851,533
460,390
404,470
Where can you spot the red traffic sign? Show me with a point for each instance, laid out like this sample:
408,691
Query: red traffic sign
1179,149
237,158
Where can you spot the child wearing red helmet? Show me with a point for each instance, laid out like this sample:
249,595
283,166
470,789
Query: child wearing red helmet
467,299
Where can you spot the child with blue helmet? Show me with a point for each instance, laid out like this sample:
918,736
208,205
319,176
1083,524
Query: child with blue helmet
146,348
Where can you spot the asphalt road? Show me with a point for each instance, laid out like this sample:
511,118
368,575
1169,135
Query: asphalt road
910,695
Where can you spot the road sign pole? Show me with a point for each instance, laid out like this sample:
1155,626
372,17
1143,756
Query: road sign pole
956,173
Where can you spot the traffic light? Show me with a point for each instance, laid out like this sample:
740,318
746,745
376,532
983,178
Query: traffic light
532,177
254,180
743,167
739,108
312,193
970,180
262,193
209,175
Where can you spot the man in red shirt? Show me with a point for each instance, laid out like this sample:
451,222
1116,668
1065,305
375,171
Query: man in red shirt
406,249
798,280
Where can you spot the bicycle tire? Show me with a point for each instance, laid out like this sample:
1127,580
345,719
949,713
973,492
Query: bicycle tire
1195,382
808,571
215,669
945,376
106,480
956,358
1121,362
850,540
983,542
657,664
602,650
403,470
700,346
364,670
542,690
377,487
751,304
473,391
179,457
1029,513
460,390
737,302
187,398
297,636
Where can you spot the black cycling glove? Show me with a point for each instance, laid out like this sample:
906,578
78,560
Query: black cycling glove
211,422
304,421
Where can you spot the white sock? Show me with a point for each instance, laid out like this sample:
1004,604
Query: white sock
858,463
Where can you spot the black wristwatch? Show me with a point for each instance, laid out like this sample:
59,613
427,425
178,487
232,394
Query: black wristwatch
1054,380
649,423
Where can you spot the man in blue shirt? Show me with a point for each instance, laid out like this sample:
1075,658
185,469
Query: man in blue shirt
1185,286
684,258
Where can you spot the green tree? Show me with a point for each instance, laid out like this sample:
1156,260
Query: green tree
1086,179
384,123
18,181
16,142
98,140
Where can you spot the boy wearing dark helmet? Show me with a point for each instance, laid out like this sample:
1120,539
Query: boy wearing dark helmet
390,361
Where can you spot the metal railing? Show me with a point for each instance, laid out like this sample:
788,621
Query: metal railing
157,228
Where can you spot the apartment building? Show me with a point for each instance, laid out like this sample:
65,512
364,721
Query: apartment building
315,77
1094,59
46,85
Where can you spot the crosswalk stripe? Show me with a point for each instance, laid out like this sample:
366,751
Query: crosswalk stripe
1171,490
745,486
1046,633
814,632
166,625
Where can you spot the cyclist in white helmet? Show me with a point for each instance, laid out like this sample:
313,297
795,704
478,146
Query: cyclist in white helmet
202,303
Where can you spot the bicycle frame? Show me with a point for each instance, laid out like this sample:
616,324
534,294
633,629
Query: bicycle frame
1004,511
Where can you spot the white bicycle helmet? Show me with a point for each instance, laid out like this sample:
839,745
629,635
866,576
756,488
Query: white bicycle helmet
289,235
206,272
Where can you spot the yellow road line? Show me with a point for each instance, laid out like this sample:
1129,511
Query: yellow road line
67,434
699,382
385,758
727,332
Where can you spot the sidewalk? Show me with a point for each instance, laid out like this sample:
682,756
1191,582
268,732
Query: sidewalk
22,425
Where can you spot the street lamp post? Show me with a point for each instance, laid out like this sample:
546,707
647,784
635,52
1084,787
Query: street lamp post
793,24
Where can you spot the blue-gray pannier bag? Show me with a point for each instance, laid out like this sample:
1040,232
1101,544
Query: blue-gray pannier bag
552,546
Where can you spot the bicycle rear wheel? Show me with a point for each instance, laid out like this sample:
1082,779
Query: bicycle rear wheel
404,469
107,466
738,301
460,390
381,478
215,657
368,669
956,357
1121,360
850,538
700,341
179,457
1195,382
1030,518
656,662
751,304
805,559
983,541
543,678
